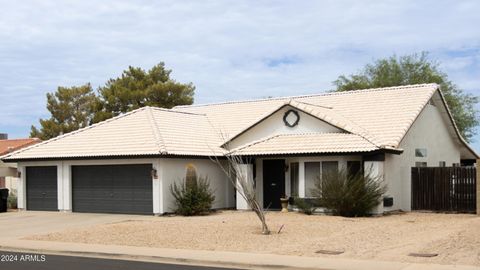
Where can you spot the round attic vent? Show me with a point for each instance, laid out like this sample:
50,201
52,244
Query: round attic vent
291,118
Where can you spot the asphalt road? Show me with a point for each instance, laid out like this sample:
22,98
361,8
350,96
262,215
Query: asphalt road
31,261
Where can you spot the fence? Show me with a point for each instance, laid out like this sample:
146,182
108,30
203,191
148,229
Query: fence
444,189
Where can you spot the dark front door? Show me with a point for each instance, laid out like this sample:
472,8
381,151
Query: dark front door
42,188
112,189
273,183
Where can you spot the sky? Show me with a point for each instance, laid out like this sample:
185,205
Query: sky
230,50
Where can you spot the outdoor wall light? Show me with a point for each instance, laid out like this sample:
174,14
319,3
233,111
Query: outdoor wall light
154,173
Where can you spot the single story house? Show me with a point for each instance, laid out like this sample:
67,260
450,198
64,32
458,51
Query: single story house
127,164
8,171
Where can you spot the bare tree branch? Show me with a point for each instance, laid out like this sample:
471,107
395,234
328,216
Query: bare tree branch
232,167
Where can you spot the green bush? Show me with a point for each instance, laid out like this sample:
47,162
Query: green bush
12,201
192,197
347,195
306,206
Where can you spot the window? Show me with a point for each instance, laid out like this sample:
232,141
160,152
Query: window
353,167
191,175
420,152
442,164
329,168
315,170
294,179
420,164
312,174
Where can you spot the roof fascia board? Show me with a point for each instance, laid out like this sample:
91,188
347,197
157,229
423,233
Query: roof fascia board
380,151
457,131
115,157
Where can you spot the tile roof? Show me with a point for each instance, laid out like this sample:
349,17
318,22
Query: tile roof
307,144
144,132
7,146
386,113
372,119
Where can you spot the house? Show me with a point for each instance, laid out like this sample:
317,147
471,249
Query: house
8,171
127,164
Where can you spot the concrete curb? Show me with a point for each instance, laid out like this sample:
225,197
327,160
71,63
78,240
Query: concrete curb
212,258
154,259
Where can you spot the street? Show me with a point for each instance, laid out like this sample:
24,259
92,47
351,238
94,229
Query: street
31,261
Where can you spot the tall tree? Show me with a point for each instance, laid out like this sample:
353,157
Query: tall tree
137,88
71,108
416,69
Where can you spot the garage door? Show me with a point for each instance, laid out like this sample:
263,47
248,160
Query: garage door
112,189
42,188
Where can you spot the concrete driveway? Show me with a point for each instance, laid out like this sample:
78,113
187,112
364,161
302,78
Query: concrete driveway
16,225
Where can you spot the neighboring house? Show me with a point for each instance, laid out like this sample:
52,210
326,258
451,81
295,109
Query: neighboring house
127,164
8,171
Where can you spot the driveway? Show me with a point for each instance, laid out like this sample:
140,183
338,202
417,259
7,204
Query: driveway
15,225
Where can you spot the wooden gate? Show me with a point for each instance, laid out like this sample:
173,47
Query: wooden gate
444,189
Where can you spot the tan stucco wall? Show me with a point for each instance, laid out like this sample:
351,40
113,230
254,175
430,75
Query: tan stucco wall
173,170
429,131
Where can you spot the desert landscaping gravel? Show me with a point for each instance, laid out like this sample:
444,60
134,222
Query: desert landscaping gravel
455,237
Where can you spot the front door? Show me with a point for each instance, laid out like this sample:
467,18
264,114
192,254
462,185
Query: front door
273,183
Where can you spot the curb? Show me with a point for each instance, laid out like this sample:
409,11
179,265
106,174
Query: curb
220,259
151,259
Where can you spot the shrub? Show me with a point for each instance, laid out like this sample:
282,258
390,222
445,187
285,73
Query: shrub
192,197
12,201
347,195
306,206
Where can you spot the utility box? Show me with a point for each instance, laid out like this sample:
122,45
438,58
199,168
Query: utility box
3,199
387,201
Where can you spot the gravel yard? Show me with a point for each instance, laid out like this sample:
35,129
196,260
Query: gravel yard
455,237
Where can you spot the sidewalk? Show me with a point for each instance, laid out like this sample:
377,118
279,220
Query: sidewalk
212,258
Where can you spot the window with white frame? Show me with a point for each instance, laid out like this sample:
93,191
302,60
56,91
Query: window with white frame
314,171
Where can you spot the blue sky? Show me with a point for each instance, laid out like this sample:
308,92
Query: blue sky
228,49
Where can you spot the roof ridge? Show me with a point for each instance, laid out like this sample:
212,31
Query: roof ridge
314,105
409,86
155,130
74,132
316,133
264,139
174,111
